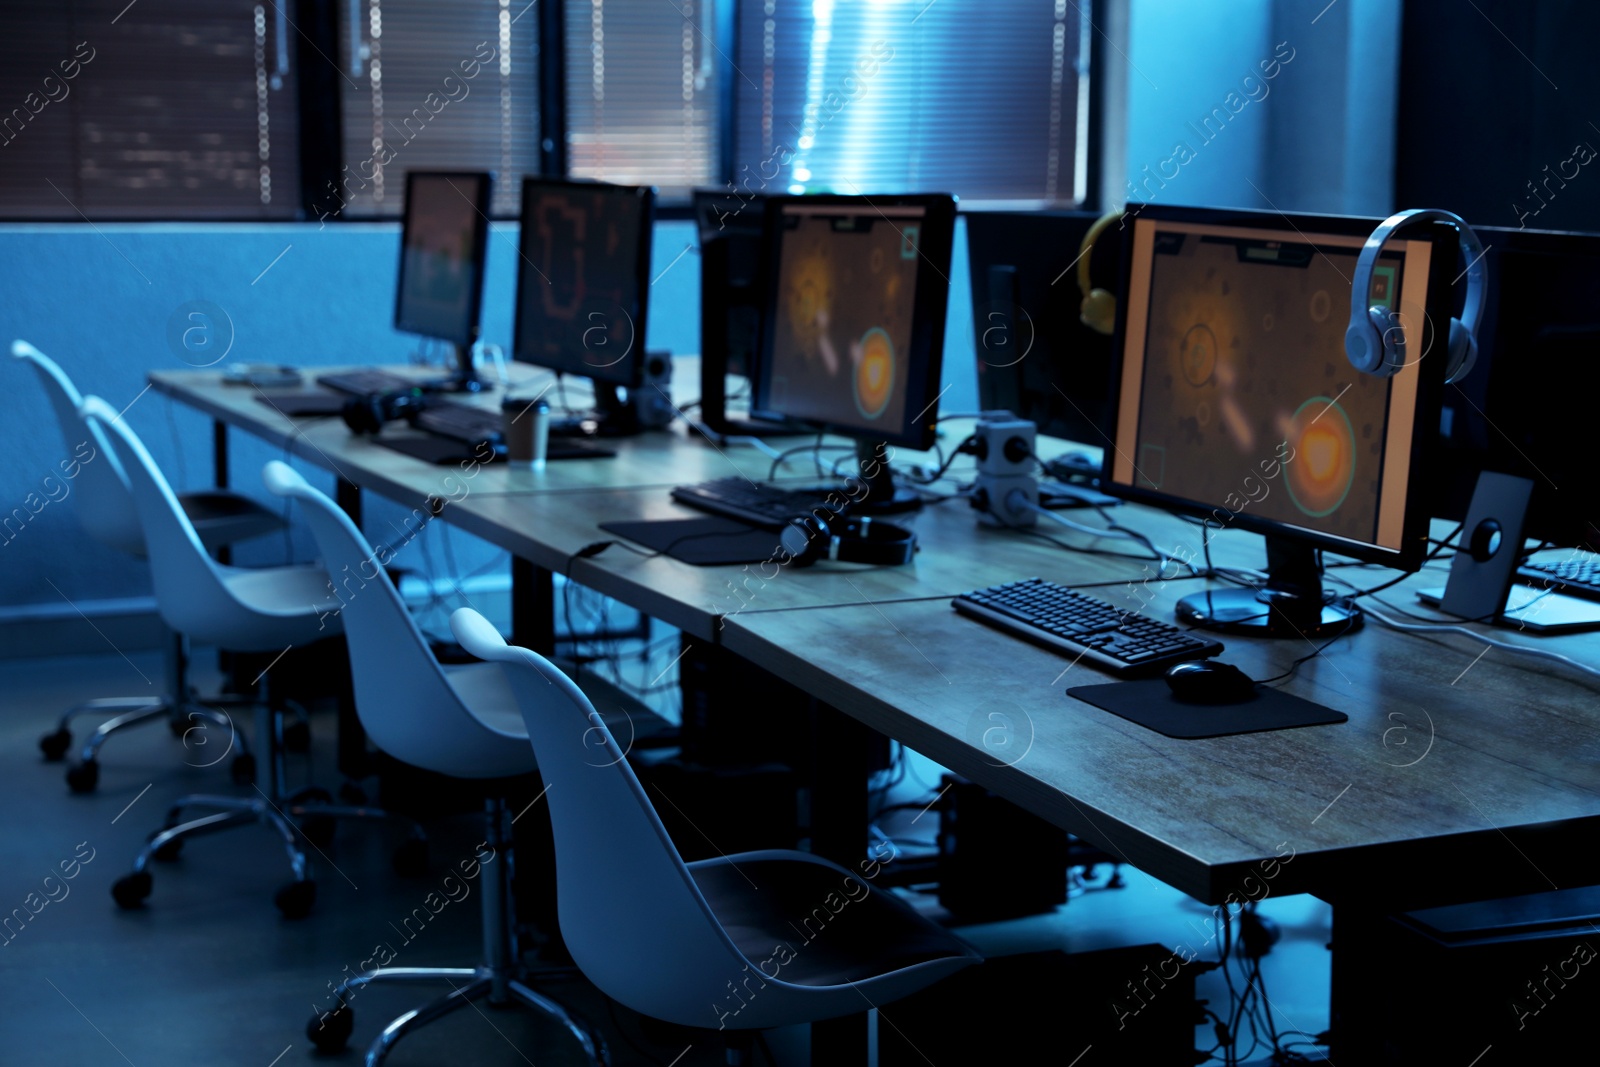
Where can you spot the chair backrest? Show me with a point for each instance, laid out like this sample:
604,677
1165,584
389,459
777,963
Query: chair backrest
189,590
105,506
403,699
632,917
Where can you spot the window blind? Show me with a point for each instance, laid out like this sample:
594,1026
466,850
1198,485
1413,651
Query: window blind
159,109
641,85
434,86
982,99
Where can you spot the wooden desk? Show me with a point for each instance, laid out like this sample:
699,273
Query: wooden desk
658,458
1457,776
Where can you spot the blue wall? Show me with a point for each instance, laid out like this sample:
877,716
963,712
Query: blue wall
98,301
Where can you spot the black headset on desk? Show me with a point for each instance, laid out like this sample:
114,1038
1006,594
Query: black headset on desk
367,414
809,538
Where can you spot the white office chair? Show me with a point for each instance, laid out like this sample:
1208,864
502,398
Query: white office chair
460,721
742,942
106,511
271,610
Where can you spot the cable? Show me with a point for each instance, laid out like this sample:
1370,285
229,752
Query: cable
778,461
1525,650
1018,500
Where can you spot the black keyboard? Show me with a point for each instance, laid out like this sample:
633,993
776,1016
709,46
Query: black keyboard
766,506
1079,626
1575,577
461,422
367,382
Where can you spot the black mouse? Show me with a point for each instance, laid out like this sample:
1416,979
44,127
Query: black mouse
1210,682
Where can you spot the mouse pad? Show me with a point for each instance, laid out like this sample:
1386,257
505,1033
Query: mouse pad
301,405
707,542
1150,703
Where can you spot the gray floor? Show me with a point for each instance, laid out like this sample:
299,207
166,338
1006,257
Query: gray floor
209,973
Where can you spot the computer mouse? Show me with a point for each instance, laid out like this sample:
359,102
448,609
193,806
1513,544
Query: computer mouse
1210,682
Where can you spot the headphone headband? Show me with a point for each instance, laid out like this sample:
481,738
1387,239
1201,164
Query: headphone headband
1086,248
809,538
1369,344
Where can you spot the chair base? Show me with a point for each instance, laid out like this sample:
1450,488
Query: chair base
330,1031
294,818
502,979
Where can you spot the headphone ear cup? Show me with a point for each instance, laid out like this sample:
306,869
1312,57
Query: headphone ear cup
1391,342
1099,311
802,540
1463,352
362,414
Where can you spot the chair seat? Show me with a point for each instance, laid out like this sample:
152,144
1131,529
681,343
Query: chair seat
223,518
485,693
837,928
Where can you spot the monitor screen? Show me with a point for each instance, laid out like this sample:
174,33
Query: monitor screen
1235,398
1036,359
1526,407
442,246
856,296
583,278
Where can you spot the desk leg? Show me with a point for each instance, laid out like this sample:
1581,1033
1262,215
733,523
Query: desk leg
219,473
355,760
533,607
839,833
348,496
839,787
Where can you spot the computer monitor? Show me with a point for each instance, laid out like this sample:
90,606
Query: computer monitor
1036,358
583,283
732,231
853,330
443,242
1526,408
1235,401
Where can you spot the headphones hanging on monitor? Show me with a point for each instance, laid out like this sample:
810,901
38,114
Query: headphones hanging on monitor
809,538
1375,340
1099,308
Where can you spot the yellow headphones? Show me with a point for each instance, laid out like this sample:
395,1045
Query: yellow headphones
1099,308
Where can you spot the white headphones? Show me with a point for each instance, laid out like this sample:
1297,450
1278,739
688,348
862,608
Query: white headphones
1375,341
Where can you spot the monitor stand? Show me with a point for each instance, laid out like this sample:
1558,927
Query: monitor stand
466,379
614,417
882,496
1291,604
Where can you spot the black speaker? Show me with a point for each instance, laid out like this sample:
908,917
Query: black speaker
1490,545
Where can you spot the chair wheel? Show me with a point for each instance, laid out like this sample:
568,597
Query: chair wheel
318,829
243,769
297,736
311,794
54,745
295,899
179,725
83,777
331,1032
350,793
411,858
168,851
130,890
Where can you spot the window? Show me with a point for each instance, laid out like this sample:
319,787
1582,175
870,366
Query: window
434,86
981,99
172,108
641,85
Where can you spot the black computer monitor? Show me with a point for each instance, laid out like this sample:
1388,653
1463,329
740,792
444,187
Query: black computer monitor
443,242
1524,409
732,232
853,331
1036,358
1235,401
583,283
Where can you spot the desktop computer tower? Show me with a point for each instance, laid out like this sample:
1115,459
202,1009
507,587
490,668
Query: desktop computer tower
1520,975
1130,1005
996,861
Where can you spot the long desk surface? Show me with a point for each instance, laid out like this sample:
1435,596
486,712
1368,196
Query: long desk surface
1457,775
1461,773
